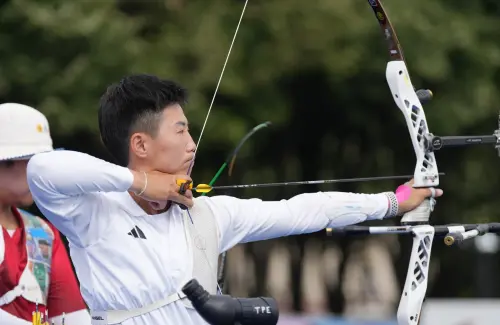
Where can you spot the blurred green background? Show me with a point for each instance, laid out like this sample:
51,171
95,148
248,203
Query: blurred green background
315,69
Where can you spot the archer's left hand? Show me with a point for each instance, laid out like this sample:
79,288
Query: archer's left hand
409,198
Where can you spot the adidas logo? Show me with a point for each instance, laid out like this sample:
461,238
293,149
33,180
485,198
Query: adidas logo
136,232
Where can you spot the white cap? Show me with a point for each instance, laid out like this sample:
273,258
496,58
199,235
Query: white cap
24,131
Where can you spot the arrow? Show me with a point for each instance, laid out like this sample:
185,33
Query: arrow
206,188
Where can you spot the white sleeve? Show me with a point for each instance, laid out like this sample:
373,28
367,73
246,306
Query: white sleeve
241,221
66,187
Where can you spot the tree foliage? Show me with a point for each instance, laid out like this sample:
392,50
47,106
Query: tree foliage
316,69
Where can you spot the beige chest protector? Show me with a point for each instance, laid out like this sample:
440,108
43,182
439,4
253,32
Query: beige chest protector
204,241
202,238
35,280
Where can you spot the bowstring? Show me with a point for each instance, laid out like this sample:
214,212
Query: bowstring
214,270
218,84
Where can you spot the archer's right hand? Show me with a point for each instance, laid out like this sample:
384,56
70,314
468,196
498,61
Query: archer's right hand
159,188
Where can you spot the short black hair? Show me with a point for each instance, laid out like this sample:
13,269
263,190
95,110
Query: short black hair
134,104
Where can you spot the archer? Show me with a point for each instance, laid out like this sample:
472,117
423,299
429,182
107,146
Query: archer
131,243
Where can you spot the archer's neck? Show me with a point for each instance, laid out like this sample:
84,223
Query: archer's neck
145,205
7,218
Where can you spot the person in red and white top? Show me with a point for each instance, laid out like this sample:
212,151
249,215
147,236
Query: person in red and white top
35,271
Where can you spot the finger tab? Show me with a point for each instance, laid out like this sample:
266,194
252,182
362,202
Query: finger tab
182,182
185,186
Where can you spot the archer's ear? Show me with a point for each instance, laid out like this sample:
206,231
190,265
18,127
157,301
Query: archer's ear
139,144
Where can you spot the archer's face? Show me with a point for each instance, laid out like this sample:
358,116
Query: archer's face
172,149
14,188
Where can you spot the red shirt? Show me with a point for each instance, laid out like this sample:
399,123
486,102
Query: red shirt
64,293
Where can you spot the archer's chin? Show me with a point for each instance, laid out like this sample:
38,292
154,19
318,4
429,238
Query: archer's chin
24,201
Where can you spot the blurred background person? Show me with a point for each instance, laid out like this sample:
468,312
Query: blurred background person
35,271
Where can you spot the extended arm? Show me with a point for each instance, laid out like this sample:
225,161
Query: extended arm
253,219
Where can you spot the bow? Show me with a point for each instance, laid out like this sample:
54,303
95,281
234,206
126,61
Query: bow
425,176
416,222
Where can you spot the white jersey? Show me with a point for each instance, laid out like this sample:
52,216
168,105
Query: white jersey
126,259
